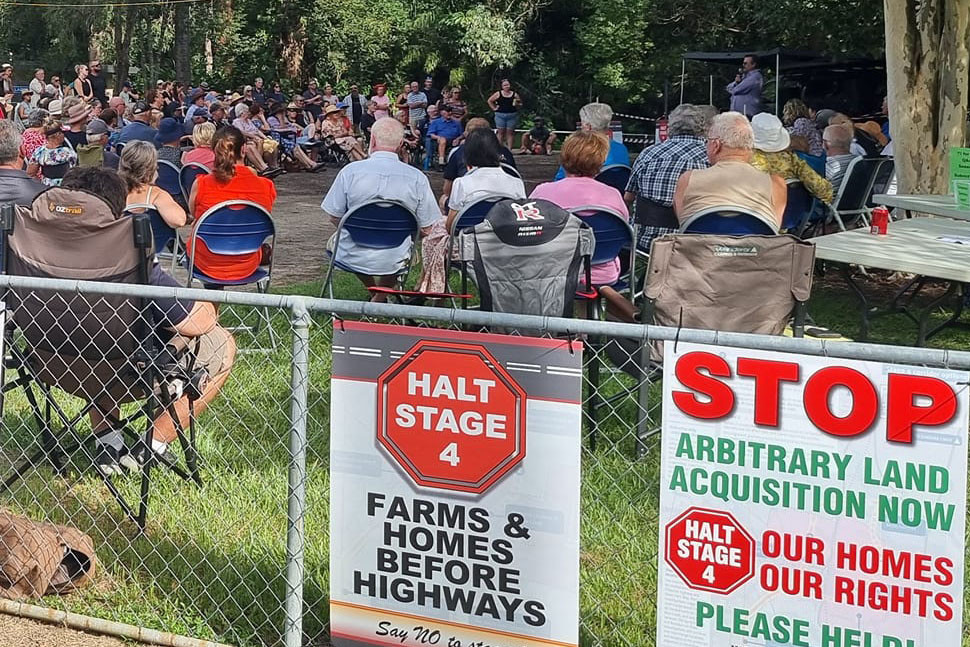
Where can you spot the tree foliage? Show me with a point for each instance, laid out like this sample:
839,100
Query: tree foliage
558,52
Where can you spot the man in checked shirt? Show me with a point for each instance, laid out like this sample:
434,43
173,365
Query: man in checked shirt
658,167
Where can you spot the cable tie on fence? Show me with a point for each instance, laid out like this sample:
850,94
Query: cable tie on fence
569,340
337,318
946,358
680,324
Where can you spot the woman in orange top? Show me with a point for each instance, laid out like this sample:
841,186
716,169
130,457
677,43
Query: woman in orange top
230,180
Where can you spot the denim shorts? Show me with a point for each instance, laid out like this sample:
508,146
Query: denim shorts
506,120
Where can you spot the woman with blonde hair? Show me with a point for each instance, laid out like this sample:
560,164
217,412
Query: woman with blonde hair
202,154
82,85
799,121
139,169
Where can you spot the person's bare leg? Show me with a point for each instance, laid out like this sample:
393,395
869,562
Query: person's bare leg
303,158
618,306
526,140
255,158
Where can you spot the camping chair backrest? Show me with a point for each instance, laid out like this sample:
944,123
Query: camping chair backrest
381,224
70,234
882,179
510,170
799,206
168,179
526,257
162,232
728,220
234,227
55,171
747,284
615,175
188,175
857,184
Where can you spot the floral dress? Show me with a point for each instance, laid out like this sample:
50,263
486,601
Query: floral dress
51,160
340,134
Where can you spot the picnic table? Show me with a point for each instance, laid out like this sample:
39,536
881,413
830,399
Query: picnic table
934,249
937,205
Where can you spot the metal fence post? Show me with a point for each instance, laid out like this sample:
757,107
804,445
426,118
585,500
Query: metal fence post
296,499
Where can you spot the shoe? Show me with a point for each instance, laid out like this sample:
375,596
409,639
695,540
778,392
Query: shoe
107,460
271,172
140,453
316,168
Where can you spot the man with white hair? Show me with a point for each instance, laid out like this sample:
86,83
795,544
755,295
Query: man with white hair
731,181
597,117
15,185
382,176
837,142
659,167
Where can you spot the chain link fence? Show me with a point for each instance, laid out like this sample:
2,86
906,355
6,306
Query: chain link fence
233,547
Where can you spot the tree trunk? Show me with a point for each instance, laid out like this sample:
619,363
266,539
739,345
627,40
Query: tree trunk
124,26
183,60
927,71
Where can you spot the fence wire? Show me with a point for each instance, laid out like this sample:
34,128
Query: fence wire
240,555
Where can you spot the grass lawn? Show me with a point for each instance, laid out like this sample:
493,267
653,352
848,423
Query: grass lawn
211,564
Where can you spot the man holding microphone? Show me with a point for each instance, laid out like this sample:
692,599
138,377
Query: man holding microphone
745,91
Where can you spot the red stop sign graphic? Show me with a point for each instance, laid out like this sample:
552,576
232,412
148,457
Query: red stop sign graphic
451,416
710,550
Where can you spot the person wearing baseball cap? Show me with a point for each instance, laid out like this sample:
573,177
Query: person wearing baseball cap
139,129
94,153
773,154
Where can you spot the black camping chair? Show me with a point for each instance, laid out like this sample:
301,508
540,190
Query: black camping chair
50,330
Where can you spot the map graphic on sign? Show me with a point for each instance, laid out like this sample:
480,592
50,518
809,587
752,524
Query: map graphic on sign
455,472
810,502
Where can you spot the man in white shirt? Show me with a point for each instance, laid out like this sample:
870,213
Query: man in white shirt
37,86
837,142
382,176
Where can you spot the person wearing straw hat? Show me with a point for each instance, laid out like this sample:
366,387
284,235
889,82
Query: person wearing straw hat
772,154
334,125
77,119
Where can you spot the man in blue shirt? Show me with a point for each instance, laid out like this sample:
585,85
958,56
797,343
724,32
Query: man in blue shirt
745,91
443,131
597,117
138,129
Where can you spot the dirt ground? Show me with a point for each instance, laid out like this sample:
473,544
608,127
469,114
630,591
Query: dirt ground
19,632
302,230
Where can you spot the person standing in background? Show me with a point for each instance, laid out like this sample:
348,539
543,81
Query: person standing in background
746,89
505,103
99,87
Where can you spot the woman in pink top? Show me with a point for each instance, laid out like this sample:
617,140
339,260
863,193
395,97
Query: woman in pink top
383,102
202,154
583,154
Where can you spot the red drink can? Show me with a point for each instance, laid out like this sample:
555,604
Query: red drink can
880,221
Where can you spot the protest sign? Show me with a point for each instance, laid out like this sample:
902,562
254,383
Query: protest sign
454,500
960,175
810,502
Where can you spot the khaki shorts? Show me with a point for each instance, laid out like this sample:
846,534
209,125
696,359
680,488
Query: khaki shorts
111,382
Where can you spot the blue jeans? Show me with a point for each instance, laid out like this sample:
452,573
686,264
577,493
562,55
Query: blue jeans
506,120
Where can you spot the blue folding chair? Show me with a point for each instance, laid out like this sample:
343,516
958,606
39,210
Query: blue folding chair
187,176
168,180
815,162
799,207
615,175
728,220
234,228
380,224
614,236
511,170
162,232
120,146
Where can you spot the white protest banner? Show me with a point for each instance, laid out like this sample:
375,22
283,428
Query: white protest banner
810,502
454,496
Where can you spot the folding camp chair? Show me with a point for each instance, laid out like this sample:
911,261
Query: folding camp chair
850,206
234,228
102,349
728,220
529,264
615,175
169,181
467,218
614,238
511,170
187,176
164,237
380,225
750,284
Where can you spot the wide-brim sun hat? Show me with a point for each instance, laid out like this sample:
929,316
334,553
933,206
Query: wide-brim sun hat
770,135
331,109
77,113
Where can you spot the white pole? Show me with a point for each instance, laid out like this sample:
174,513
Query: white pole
777,81
710,92
683,74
